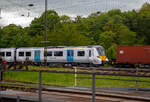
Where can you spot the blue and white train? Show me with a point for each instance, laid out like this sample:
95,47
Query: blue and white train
74,55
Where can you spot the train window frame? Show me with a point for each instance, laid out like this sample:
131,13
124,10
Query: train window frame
90,53
21,55
2,54
49,53
28,54
8,54
71,53
81,53
58,53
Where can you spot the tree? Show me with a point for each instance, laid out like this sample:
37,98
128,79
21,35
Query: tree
37,26
111,52
126,37
36,41
65,19
68,36
1,35
131,20
145,8
53,19
143,30
13,36
107,39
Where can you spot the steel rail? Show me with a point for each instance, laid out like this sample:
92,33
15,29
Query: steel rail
114,79
88,92
114,69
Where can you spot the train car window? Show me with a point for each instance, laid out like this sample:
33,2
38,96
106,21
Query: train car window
68,54
2,54
21,53
89,53
58,53
72,53
101,51
8,53
49,53
45,53
81,53
28,53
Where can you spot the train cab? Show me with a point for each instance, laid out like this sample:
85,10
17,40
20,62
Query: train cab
99,56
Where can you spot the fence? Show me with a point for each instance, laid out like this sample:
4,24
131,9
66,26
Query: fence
78,77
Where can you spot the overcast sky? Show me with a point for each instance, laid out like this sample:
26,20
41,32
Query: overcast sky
17,11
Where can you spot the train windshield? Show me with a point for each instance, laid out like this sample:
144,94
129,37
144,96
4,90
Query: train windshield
101,51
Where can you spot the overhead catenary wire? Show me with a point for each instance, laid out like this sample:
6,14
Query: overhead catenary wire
109,4
75,7
21,7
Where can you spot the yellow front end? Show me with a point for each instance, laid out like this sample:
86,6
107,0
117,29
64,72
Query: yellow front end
103,58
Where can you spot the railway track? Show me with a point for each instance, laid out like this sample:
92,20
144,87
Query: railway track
76,95
73,94
90,70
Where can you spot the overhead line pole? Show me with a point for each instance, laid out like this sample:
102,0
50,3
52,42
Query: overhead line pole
45,36
0,13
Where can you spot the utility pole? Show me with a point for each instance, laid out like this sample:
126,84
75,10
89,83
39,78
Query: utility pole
45,36
0,13
30,5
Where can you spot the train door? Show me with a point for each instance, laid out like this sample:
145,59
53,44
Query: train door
9,56
37,55
70,54
91,55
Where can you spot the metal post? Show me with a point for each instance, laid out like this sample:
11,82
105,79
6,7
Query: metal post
93,87
75,76
18,99
45,36
0,75
0,13
40,86
0,87
136,79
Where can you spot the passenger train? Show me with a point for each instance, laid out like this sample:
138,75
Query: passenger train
73,55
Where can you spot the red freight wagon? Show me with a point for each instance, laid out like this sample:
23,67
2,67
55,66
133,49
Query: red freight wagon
133,55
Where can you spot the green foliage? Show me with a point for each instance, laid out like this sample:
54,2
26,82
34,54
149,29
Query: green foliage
111,52
13,36
65,19
145,8
126,37
1,34
107,38
108,29
67,35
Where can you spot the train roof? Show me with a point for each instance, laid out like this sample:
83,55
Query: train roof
6,48
91,46
52,47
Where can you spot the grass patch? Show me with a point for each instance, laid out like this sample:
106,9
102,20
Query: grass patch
63,79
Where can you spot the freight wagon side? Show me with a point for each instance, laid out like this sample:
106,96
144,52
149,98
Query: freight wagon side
133,55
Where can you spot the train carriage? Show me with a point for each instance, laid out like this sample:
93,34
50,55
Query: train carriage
8,54
74,55
33,54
